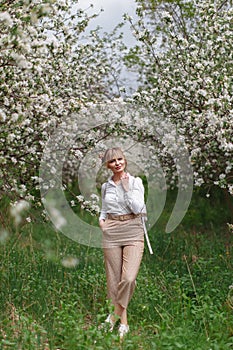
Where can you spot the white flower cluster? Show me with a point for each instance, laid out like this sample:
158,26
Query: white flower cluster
17,210
89,205
70,262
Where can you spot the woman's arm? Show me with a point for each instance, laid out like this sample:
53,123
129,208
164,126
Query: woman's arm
134,197
103,212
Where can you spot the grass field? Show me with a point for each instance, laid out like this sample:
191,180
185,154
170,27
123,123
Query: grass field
53,293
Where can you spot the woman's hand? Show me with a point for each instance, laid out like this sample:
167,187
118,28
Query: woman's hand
101,223
125,182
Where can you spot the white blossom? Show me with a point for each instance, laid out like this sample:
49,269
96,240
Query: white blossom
17,210
70,262
2,115
6,18
4,235
57,218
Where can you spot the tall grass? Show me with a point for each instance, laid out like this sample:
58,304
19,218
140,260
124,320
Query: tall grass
53,293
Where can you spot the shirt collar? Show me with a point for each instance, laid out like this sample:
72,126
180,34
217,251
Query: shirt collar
110,180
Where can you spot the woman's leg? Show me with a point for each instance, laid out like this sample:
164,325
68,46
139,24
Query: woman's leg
122,266
132,257
121,312
113,267
113,258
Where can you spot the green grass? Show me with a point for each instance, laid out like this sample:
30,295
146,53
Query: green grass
182,298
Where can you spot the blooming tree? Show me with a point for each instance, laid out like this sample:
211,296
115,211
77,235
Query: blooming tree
54,84
184,61
48,70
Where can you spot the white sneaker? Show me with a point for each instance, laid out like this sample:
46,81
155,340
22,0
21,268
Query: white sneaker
112,323
108,323
123,329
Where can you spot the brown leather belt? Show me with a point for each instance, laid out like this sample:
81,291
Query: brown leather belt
124,216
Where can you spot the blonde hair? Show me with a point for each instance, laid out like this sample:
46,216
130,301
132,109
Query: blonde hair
113,153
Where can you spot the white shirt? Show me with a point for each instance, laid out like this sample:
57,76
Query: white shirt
116,201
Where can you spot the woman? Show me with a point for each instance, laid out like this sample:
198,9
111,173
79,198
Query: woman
121,221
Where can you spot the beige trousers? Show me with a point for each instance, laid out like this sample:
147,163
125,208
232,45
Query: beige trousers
122,265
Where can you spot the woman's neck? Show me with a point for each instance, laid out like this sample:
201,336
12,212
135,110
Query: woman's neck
117,177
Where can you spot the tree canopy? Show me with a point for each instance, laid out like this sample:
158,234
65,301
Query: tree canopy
50,75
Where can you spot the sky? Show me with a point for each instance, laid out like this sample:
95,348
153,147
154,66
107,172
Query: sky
112,15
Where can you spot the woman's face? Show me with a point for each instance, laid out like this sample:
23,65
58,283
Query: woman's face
117,165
